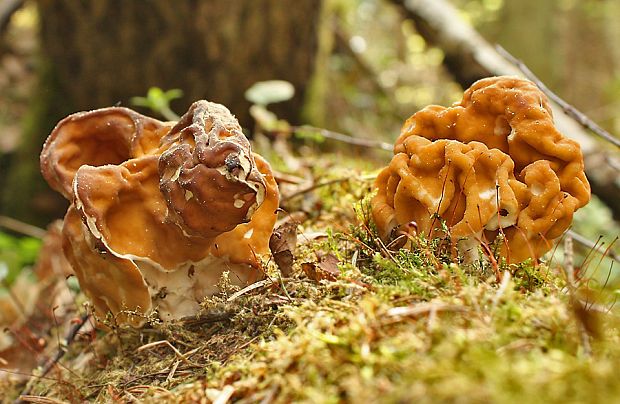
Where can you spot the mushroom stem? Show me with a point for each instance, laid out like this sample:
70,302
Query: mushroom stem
468,249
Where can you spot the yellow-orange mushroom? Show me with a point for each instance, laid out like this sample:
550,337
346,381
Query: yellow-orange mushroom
493,163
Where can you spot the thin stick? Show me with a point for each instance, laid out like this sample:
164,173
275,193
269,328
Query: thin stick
21,227
423,309
570,110
312,188
585,242
176,351
40,400
345,138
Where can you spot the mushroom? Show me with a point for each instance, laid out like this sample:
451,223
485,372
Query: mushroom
491,165
160,210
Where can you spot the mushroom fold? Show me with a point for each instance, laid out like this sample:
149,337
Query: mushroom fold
160,210
492,164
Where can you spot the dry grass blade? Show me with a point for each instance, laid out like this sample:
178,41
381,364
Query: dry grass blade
41,400
249,288
220,396
176,351
502,289
141,388
172,371
422,309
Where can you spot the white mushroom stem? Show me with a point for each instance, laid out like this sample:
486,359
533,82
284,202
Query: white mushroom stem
468,248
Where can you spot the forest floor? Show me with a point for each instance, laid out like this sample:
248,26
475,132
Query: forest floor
350,321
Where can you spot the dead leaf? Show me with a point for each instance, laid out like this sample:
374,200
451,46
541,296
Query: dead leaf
326,268
329,263
282,244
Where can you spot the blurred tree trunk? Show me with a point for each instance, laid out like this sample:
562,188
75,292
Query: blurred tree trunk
106,51
103,52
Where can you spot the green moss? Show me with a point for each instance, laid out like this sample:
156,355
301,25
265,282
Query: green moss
408,325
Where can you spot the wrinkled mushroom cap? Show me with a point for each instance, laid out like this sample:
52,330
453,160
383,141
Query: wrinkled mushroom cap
96,138
207,172
142,228
493,163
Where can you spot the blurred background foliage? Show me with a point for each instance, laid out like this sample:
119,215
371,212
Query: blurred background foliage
371,71
16,253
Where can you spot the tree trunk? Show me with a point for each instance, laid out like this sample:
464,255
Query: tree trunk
104,52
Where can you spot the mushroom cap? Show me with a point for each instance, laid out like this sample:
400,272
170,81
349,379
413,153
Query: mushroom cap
242,243
145,217
112,284
492,163
99,137
207,172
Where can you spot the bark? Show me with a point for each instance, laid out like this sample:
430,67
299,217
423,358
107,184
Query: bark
102,53
107,51
470,57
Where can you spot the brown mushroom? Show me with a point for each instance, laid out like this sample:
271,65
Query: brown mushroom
492,164
159,210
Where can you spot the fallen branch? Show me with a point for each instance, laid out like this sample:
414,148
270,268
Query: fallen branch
7,9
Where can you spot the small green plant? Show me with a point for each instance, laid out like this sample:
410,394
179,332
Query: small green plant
158,101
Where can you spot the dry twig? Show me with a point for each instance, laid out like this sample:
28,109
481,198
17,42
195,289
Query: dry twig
176,351
341,137
421,309
589,244
312,188
21,227
570,110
